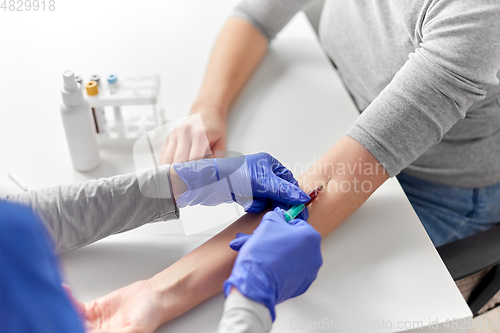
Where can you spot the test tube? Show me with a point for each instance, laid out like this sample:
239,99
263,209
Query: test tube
98,112
113,89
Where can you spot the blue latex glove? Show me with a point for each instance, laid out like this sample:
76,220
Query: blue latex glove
254,181
277,262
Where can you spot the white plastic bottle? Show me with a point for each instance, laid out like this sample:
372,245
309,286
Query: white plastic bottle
77,121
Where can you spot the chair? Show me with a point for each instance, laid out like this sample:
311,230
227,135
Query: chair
474,263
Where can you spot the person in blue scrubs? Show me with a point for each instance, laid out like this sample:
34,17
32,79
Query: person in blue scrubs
31,296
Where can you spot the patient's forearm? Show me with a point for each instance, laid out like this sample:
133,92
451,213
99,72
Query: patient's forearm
238,50
200,274
355,175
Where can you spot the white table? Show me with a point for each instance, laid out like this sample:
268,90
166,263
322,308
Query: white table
379,266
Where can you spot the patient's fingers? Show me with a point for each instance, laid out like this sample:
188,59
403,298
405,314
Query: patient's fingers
219,146
183,145
167,154
80,306
199,147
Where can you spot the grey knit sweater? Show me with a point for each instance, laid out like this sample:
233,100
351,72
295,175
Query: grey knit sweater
424,72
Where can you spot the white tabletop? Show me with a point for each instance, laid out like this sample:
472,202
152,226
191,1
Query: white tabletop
379,266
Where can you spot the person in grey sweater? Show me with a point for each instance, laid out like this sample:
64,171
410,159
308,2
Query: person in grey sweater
424,73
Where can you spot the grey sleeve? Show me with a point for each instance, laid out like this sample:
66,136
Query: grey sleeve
456,63
268,16
79,214
243,315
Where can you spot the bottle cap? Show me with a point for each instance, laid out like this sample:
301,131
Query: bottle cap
71,91
95,78
112,79
92,89
69,78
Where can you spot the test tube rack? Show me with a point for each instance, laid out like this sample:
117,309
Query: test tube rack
126,109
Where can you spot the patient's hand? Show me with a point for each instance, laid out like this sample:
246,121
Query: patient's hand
188,141
135,308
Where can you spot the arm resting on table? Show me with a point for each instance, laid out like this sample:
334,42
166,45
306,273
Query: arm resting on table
201,273
238,50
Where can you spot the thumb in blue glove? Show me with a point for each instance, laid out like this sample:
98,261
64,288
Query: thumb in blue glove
277,262
238,242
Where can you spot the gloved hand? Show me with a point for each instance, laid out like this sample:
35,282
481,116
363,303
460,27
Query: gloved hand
278,261
253,181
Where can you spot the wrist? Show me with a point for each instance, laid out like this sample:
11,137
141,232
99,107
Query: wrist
178,186
172,291
210,109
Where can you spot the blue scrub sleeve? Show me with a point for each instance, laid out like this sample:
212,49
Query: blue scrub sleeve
31,296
